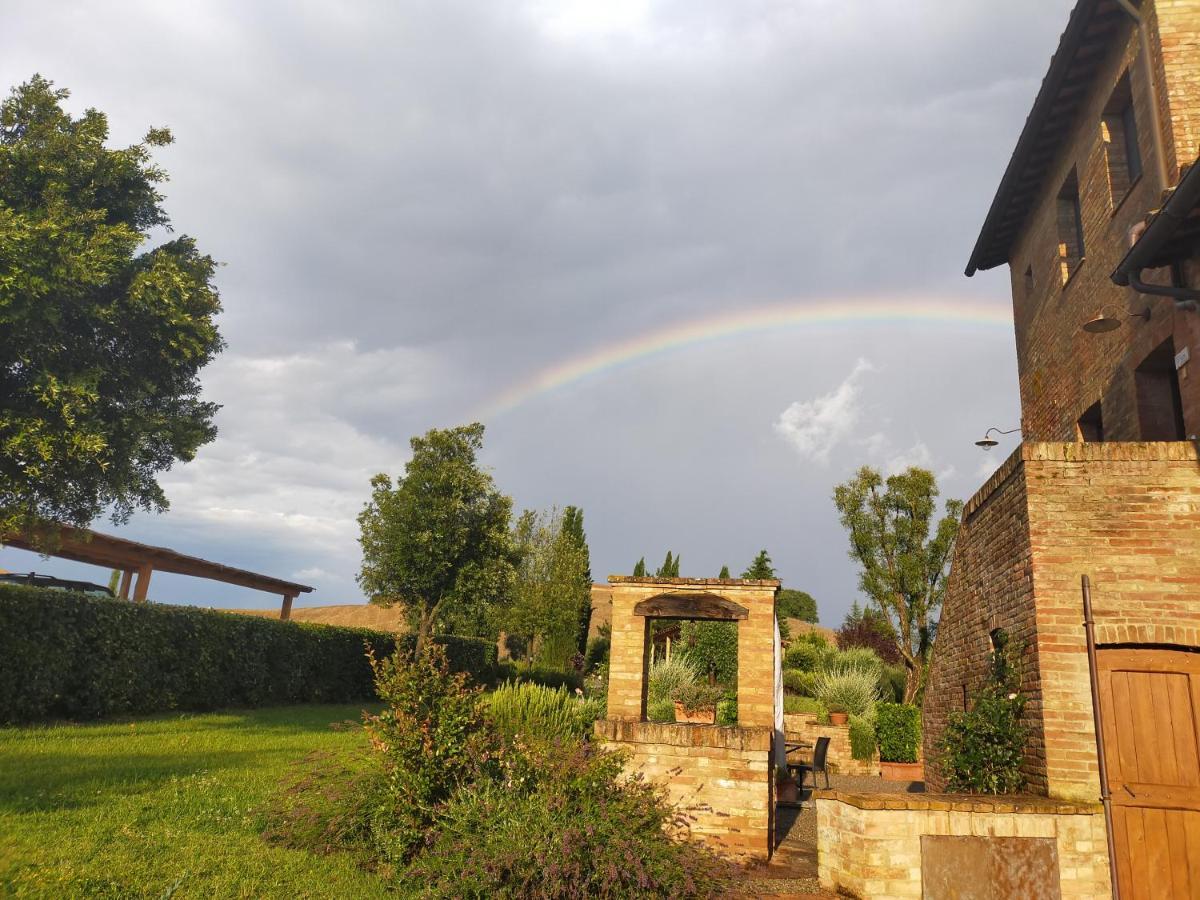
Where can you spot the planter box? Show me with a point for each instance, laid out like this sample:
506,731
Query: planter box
836,718
898,771
706,715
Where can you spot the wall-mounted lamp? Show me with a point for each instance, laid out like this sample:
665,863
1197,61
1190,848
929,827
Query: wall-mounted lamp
1103,322
987,442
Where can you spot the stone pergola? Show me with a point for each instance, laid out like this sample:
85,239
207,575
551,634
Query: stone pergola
137,562
721,777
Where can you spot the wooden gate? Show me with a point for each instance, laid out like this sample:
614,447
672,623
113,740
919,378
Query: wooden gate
1150,708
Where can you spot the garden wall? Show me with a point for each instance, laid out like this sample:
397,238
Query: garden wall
886,846
803,727
719,778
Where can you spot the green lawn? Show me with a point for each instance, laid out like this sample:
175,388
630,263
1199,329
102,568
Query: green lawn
164,807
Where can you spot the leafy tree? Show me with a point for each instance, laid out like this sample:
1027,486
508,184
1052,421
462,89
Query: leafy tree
761,567
639,571
551,587
712,647
669,568
437,540
573,529
724,572
868,628
101,338
800,605
903,565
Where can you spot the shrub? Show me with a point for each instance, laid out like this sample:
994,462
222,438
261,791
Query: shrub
798,682
856,658
898,727
892,682
474,656
727,712
668,675
712,649
862,738
697,695
597,652
540,713
551,678
805,656
660,710
853,691
804,706
69,655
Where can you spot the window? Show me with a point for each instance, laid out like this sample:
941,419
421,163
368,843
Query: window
1070,227
1118,130
1160,410
1090,426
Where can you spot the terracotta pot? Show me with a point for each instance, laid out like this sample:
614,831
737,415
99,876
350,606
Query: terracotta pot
786,791
705,715
838,718
900,771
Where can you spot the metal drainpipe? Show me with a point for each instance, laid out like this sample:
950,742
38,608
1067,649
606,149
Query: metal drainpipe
1160,153
1102,763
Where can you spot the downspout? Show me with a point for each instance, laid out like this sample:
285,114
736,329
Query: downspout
1102,764
1160,153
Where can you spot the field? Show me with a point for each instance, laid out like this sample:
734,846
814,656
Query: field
164,807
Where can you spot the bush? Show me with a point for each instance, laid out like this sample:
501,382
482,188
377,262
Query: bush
69,655
597,652
805,656
853,691
660,710
898,728
804,706
798,682
697,695
892,683
727,712
712,649
540,713
669,675
859,658
862,738
474,656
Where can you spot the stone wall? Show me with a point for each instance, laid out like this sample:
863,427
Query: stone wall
720,779
841,762
877,845
1128,516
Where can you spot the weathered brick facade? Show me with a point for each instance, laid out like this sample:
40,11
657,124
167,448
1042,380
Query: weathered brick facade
1127,515
1064,370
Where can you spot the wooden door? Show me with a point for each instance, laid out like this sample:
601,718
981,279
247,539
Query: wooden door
1150,709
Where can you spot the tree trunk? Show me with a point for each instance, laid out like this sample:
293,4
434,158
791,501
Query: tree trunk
423,630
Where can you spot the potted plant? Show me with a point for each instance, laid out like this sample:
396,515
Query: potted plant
838,714
898,729
696,703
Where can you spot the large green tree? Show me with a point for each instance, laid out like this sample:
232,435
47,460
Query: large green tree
102,336
573,529
551,587
761,567
903,555
791,604
437,540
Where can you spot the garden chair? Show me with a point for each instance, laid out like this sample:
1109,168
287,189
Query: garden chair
820,752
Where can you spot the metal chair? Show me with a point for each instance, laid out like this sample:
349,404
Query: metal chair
820,752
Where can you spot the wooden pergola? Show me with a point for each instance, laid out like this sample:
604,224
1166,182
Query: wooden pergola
138,561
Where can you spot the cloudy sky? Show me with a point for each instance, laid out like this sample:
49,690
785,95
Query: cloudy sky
691,262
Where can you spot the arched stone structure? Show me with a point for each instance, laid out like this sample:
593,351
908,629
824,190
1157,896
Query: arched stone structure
720,777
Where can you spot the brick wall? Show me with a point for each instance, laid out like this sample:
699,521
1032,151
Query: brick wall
1063,370
870,845
1127,515
718,778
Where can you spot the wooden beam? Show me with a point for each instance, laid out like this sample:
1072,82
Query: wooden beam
285,611
143,583
126,583
690,606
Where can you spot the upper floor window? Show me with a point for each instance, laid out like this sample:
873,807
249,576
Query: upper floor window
1070,227
1118,129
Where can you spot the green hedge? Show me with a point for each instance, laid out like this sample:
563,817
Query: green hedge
72,656
862,738
898,728
475,656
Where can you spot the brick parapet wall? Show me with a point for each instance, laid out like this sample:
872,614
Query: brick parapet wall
870,845
718,778
1127,515
841,761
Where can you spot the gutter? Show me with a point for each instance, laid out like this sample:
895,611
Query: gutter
1160,153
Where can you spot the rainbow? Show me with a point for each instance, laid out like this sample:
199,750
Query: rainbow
971,312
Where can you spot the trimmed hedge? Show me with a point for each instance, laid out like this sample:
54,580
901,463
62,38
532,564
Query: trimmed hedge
898,728
475,656
862,738
72,656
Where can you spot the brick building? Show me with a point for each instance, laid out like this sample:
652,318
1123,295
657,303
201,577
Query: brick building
1098,219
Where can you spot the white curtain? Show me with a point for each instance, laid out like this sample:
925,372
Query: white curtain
780,752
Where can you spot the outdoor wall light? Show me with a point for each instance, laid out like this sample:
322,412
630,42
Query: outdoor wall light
987,442
1102,322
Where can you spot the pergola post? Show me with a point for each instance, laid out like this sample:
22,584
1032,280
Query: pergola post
143,583
126,583
285,611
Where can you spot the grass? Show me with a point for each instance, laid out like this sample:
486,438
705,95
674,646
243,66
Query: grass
165,807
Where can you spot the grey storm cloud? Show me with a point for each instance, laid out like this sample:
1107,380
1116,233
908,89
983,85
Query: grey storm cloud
418,204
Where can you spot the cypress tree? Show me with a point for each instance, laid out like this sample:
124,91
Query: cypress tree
639,571
724,572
